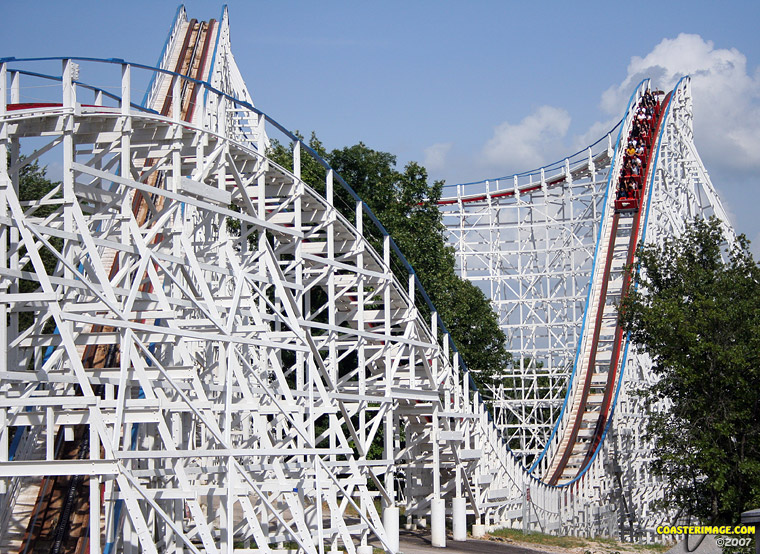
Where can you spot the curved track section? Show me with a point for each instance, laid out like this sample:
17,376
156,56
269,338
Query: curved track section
230,408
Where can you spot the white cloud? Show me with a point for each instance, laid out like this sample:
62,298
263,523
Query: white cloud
598,131
534,141
726,97
435,155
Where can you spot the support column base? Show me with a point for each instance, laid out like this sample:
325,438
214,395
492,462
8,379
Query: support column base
459,519
438,522
390,523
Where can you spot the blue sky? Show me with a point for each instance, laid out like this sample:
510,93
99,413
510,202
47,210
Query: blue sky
472,89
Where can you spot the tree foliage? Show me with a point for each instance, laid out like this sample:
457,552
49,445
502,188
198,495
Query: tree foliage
34,184
697,314
404,201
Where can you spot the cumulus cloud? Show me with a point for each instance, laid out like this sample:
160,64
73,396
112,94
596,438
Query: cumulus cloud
598,131
529,143
726,100
726,97
435,155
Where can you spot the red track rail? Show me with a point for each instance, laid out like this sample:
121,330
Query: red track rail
466,200
632,247
609,388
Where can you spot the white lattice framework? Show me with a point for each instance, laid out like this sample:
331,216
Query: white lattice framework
221,344
528,242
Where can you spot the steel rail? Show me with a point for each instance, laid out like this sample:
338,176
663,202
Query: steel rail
614,367
574,373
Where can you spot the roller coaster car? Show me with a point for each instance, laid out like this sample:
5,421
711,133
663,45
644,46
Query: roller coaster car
626,205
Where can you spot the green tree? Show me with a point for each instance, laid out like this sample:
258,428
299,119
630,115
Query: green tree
697,314
34,185
405,203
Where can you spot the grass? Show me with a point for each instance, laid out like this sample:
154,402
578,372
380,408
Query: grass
539,538
575,542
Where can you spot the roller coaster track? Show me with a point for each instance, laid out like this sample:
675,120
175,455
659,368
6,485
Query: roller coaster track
596,379
591,394
248,364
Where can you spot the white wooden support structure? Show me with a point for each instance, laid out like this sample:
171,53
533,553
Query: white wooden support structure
242,360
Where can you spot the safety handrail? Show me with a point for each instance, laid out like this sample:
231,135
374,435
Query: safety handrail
574,161
99,90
